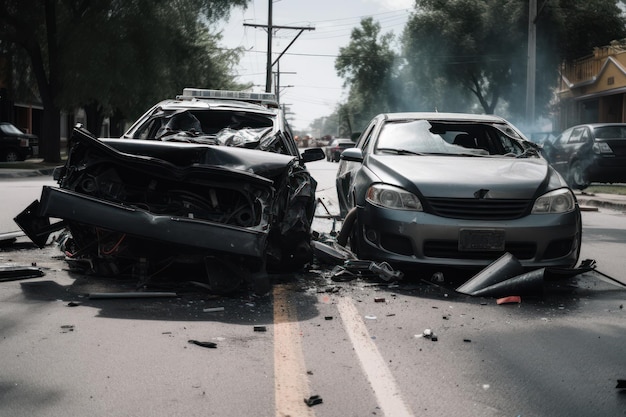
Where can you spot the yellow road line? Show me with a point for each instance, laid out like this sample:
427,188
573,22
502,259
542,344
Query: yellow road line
290,378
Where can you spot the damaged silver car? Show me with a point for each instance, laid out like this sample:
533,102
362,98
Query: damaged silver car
458,190
209,184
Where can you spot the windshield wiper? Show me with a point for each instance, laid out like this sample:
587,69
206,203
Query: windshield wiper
399,151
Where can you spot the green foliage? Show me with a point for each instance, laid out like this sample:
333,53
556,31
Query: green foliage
115,56
139,53
471,55
367,65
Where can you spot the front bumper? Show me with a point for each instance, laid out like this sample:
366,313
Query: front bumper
418,238
79,208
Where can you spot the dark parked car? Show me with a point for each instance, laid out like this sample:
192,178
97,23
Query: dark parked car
16,145
456,190
335,147
591,153
209,184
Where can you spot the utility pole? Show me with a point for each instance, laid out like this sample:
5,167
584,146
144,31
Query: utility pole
531,69
270,29
532,62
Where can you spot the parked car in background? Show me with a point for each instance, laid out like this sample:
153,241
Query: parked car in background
210,184
16,145
454,190
588,153
336,147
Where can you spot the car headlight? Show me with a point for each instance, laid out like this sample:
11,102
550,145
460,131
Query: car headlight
557,201
393,197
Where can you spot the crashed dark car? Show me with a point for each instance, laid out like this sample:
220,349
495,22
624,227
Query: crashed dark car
231,202
457,190
594,152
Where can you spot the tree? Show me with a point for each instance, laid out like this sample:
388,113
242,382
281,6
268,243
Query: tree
47,30
587,24
177,51
459,49
367,67
467,46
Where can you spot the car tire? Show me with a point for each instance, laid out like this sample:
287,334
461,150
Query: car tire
11,156
577,176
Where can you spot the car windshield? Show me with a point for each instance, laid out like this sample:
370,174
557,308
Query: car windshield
9,129
424,137
201,123
215,127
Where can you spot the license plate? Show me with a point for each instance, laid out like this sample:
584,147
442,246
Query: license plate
481,240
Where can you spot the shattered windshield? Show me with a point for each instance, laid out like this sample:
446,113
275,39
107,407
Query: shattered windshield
424,137
215,127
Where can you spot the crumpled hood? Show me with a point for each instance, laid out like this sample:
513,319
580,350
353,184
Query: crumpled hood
463,176
262,163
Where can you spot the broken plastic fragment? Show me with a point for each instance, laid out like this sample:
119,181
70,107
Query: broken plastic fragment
510,300
209,345
213,309
385,271
138,294
505,267
313,400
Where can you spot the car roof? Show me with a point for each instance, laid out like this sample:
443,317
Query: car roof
463,117
594,125
206,104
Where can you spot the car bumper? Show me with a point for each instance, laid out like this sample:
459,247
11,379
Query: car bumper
79,208
607,170
417,238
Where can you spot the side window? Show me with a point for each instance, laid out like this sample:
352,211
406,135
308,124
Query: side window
577,135
366,137
149,129
564,137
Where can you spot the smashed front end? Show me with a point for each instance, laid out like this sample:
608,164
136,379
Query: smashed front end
151,209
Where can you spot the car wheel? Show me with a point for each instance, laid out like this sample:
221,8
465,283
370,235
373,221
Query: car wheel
11,156
577,176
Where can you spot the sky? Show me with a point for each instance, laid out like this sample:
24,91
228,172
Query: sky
310,86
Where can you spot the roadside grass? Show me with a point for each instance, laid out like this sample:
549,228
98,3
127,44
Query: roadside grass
606,189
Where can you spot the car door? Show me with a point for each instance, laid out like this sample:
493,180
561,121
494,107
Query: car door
560,154
346,172
577,142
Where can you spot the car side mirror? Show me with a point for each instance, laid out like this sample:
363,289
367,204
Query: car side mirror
352,155
313,154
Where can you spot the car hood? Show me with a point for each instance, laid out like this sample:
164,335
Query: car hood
462,177
181,155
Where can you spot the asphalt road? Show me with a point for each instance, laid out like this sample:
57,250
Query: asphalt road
358,345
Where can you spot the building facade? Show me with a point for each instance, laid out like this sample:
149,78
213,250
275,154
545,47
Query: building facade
593,89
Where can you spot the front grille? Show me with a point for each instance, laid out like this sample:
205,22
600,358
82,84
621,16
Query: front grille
478,209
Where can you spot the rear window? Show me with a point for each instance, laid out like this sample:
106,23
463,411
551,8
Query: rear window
610,132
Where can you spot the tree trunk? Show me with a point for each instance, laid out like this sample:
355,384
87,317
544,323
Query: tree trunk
50,142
